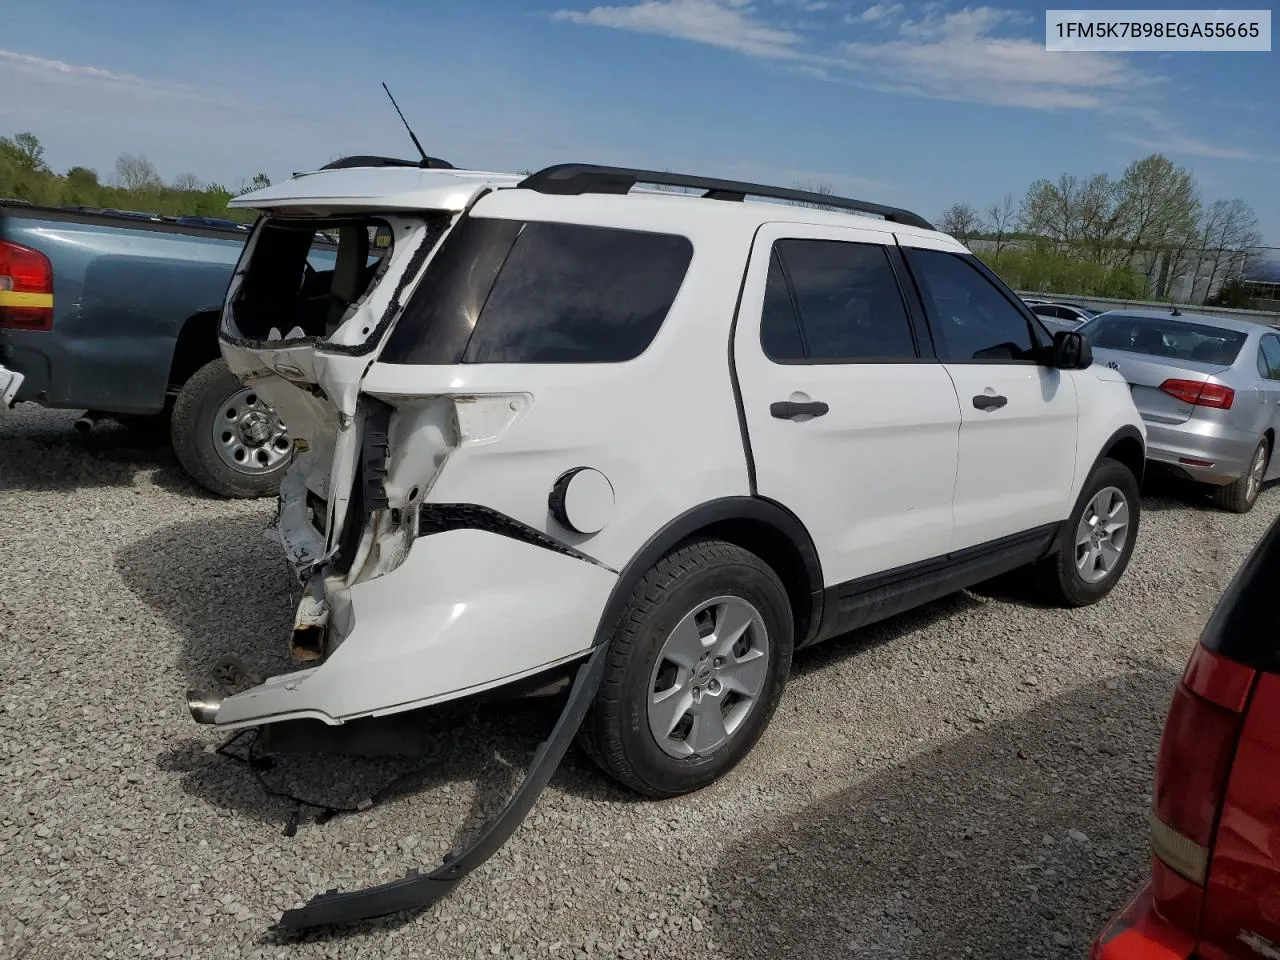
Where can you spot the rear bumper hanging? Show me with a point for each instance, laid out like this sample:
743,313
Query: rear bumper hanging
416,890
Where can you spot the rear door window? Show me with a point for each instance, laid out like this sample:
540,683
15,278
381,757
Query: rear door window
1269,353
846,299
504,291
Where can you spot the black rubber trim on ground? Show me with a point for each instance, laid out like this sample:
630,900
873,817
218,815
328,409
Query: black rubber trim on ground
442,517
416,890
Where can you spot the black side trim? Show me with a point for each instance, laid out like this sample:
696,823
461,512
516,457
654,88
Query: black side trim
375,450
733,372
1245,625
572,179
705,515
920,332
441,517
417,891
857,603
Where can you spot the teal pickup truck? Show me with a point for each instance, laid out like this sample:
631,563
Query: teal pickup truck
116,315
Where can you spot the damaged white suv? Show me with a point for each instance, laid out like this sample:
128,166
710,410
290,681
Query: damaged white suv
553,417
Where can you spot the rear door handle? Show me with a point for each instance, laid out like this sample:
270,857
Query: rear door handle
790,409
985,401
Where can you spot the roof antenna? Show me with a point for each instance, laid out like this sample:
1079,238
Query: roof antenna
426,161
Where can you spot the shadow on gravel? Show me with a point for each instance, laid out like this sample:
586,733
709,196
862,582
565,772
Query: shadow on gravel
480,753
1160,493
1016,841
39,451
222,585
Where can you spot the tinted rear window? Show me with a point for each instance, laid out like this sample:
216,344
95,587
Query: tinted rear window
1157,337
503,291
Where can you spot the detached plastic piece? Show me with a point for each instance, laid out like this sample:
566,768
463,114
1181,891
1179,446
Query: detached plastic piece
416,890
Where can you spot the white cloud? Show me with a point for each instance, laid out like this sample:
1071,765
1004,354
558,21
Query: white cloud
58,68
1168,139
881,12
728,25
955,57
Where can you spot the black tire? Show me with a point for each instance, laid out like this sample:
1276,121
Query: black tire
191,432
616,733
1239,496
1056,578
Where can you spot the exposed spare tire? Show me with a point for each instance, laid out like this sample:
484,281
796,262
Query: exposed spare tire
227,437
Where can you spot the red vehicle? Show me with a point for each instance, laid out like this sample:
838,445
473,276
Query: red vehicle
1214,892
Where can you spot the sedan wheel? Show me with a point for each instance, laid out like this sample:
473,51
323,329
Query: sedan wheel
1240,495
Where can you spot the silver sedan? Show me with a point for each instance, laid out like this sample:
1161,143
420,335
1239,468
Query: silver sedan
1208,389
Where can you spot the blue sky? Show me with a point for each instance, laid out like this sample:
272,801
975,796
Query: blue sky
914,104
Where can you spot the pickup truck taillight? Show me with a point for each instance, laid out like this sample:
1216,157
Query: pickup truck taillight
1196,751
26,288
1200,393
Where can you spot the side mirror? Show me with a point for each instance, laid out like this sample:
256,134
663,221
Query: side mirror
1070,351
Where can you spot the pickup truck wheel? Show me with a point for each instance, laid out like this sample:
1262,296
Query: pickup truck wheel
1096,541
695,670
226,437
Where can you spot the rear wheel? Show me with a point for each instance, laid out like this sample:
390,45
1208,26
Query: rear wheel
226,437
1240,495
695,670
1097,539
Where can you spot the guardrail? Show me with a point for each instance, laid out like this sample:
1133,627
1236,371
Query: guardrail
1107,303
1258,316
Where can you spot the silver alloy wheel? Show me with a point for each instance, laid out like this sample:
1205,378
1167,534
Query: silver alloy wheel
1102,534
709,675
1256,470
248,435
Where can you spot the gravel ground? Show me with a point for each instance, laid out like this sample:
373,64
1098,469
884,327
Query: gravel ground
967,780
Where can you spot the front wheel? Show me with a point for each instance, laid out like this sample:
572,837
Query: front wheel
226,436
1240,495
695,670
1096,541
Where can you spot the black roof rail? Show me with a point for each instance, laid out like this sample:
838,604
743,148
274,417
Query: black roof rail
433,163
578,178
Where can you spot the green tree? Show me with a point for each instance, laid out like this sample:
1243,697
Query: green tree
25,150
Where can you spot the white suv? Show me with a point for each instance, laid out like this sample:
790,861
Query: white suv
555,416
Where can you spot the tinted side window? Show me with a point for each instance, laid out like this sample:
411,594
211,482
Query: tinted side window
780,334
848,300
971,318
1271,353
575,294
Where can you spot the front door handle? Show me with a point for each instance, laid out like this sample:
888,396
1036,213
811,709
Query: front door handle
985,401
790,409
